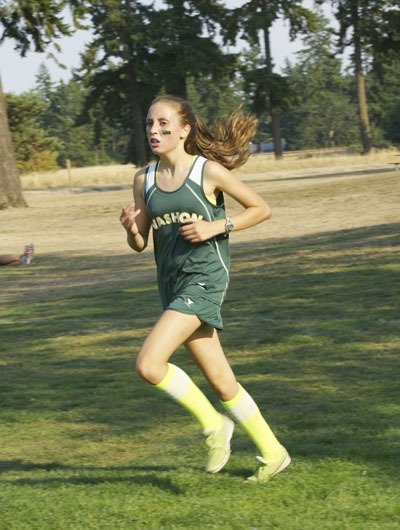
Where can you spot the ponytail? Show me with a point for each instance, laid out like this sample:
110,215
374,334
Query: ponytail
228,140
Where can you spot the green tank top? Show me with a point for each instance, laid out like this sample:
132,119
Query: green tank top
181,264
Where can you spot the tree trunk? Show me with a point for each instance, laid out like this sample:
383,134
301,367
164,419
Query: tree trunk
176,85
138,136
365,128
274,110
10,184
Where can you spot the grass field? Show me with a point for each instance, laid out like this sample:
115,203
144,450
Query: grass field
311,328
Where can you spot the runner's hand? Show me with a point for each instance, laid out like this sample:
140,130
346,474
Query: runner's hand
128,218
197,231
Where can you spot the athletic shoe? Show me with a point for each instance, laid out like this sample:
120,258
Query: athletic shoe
266,470
219,445
27,256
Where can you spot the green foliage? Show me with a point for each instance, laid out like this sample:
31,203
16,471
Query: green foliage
255,16
87,143
374,22
66,105
35,150
117,70
37,22
183,36
213,98
138,52
266,89
370,28
384,97
29,23
34,22
327,120
322,113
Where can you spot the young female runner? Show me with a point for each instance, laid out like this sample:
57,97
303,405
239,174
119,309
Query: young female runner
181,198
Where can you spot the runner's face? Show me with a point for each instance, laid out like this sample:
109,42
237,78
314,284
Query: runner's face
163,127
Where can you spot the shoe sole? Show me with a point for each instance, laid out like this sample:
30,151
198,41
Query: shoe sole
287,460
283,466
227,456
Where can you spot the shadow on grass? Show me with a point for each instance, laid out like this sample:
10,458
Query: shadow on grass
312,329
20,465
147,478
157,482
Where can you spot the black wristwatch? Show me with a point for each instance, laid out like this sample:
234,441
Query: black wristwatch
228,226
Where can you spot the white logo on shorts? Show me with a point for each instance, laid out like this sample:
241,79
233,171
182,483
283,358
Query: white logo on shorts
189,302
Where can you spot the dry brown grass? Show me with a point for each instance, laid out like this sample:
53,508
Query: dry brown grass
264,165
326,162
85,222
80,177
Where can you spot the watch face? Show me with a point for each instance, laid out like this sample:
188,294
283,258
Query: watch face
228,226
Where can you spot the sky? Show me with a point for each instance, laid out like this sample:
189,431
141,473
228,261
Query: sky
18,74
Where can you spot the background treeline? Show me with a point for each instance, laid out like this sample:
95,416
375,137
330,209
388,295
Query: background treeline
138,51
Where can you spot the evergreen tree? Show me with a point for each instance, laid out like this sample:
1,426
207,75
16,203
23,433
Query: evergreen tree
34,149
184,39
215,98
384,97
35,23
77,141
139,51
367,26
63,106
322,113
258,86
46,88
116,67
253,21
85,136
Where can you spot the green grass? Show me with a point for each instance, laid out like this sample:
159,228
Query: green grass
312,330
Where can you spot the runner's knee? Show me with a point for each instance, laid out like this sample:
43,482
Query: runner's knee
149,370
223,382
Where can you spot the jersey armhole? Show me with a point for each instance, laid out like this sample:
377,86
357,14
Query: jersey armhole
217,202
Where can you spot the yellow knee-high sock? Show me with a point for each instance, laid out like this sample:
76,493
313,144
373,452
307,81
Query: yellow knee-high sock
178,385
245,411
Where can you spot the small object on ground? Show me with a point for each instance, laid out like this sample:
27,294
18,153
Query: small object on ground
27,256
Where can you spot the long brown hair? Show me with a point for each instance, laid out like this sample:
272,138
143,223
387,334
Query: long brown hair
227,142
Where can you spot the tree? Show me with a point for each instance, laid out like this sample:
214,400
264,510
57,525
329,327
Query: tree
367,27
322,112
215,98
10,184
116,66
384,100
260,86
138,52
253,21
29,23
34,149
184,40
61,119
